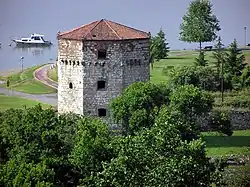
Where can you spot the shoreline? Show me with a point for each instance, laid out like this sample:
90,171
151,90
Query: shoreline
6,73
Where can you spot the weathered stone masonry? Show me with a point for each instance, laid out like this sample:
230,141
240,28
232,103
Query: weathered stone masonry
80,68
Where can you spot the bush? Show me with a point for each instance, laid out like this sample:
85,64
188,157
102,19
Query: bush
237,176
220,122
200,76
241,102
166,70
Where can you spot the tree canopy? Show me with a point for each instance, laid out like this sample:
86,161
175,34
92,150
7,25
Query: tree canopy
199,24
160,146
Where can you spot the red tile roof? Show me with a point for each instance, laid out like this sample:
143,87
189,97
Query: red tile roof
103,30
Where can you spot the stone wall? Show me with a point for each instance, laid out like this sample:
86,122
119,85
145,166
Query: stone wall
239,120
136,59
108,70
71,71
126,62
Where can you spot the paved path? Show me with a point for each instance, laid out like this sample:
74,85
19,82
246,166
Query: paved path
44,98
41,75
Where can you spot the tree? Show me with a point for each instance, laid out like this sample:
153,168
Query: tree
138,105
245,77
235,60
199,24
234,65
200,61
35,144
159,157
91,148
219,55
158,46
203,77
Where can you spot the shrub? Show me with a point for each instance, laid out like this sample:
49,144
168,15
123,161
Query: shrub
220,122
200,76
237,176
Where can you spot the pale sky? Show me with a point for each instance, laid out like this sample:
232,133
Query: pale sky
22,17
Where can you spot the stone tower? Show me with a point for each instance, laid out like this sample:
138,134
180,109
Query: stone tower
96,62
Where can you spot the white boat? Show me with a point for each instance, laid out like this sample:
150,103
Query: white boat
34,39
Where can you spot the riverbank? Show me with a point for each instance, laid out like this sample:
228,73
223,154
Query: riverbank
25,81
8,102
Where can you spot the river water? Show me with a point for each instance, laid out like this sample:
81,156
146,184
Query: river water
21,19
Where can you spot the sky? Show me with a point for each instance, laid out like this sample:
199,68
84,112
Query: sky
23,17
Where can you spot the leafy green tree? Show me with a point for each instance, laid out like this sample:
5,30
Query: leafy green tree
203,77
190,101
158,46
158,157
199,24
37,140
91,148
18,173
220,122
138,105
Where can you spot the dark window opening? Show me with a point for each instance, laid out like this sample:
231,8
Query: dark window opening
101,85
35,38
102,112
94,35
102,54
70,85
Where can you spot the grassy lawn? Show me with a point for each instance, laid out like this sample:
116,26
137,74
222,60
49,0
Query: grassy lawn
181,58
219,145
25,82
52,74
176,58
8,102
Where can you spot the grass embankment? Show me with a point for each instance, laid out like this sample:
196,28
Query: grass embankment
25,82
237,100
181,58
219,145
176,58
52,74
8,102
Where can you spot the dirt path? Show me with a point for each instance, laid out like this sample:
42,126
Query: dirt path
41,75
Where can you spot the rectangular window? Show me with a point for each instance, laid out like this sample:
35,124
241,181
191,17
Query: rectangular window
102,112
102,54
37,38
101,85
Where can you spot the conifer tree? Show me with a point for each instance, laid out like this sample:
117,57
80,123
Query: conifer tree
158,46
235,60
219,55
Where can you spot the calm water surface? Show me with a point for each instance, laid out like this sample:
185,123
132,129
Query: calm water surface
21,19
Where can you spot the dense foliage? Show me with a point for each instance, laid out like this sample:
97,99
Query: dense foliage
160,145
203,77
